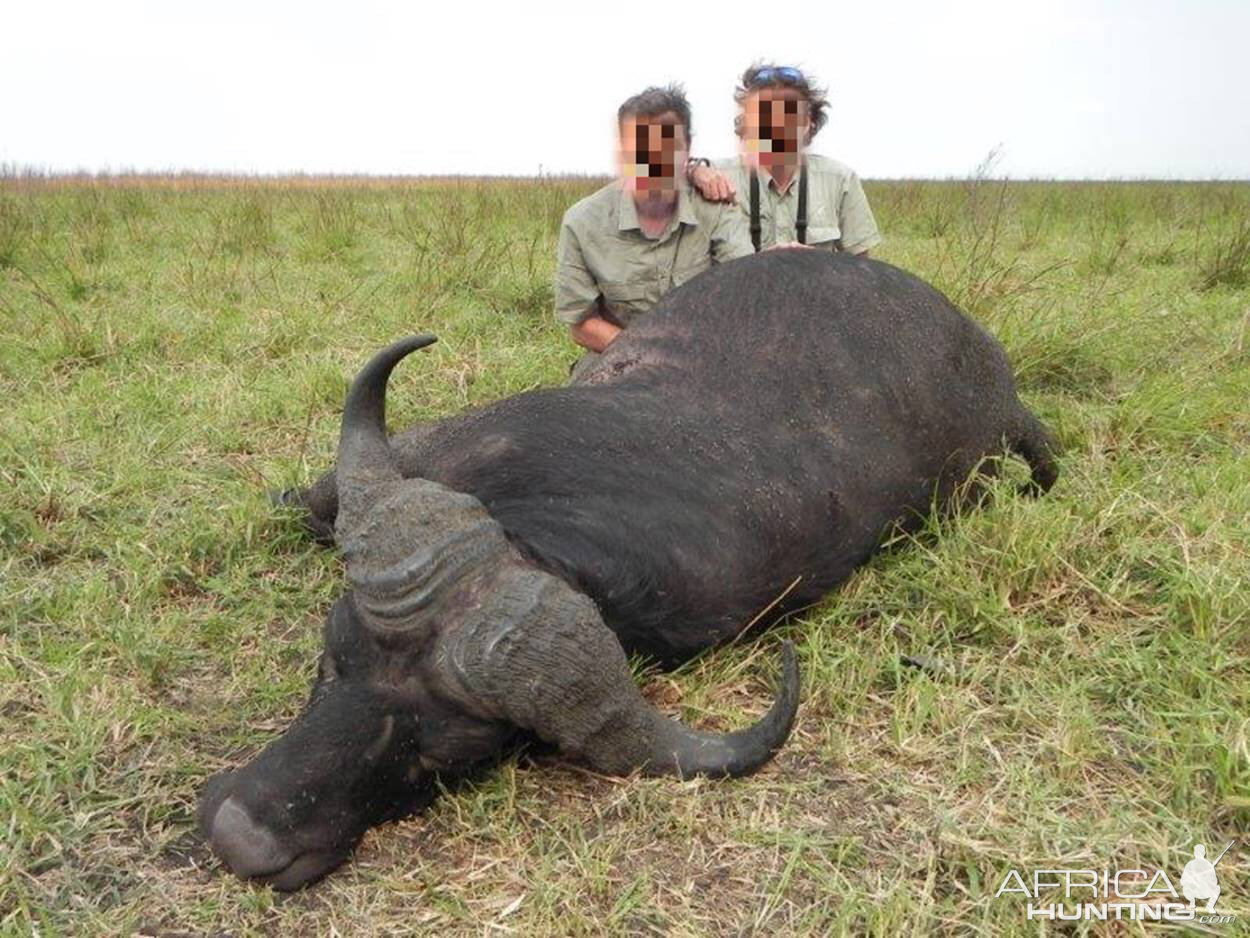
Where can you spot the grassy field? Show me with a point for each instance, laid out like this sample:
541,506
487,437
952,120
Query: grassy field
170,349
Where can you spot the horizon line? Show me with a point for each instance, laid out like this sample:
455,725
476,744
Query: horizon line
11,173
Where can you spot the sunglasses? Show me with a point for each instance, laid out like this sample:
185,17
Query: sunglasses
785,73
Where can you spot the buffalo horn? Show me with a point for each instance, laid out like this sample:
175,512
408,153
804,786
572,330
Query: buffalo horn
365,458
541,656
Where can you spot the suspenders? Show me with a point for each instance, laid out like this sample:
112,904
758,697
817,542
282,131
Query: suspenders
800,223
755,211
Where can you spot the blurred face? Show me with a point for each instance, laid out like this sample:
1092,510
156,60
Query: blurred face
775,124
653,156
367,748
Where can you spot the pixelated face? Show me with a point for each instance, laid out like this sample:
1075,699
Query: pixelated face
775,124
653,155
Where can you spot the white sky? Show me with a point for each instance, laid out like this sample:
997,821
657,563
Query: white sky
1070,89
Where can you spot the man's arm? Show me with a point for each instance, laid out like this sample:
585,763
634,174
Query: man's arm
577,295
594,333
713,185
731,238
576,290
859,228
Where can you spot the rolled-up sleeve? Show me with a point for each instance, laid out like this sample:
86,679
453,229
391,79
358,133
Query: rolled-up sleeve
576,291
859,228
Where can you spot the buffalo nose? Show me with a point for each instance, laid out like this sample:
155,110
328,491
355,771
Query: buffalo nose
246,847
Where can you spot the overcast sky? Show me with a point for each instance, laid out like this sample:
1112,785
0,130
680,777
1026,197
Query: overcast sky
1139,88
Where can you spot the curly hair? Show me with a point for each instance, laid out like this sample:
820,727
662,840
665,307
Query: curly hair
654,101
817,97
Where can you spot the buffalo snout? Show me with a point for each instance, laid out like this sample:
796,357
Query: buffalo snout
248,848
297,810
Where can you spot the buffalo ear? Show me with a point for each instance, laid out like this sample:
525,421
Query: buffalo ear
540,655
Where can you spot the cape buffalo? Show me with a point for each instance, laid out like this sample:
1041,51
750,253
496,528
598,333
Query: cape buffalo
755,436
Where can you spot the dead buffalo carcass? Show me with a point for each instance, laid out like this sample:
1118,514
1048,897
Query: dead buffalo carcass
754,437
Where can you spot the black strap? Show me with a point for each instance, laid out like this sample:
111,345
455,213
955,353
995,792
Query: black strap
800,224
755,210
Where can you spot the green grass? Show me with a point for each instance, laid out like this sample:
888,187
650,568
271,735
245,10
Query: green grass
168,351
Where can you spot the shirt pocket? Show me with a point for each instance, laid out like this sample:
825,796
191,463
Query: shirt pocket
823,235
622,301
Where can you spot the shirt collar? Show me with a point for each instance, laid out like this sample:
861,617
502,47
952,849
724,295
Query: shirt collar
627,212
766,178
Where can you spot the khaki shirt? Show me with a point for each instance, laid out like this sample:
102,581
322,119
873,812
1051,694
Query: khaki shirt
606,266
837,208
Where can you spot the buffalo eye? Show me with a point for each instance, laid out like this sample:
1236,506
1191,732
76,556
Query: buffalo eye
381,742
327,668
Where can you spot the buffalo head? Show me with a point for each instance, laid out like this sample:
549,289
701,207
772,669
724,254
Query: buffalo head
449,644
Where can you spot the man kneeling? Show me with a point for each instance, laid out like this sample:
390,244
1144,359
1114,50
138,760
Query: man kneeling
628,244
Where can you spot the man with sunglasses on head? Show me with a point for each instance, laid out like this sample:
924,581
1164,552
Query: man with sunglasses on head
787,194
628,244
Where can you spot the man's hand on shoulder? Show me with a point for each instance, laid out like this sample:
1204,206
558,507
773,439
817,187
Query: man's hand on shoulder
712,184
